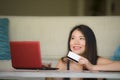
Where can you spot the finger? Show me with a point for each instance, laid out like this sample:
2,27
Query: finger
81,61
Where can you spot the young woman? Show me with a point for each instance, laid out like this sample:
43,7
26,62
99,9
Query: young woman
82,41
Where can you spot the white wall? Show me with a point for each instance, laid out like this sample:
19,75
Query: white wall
53,32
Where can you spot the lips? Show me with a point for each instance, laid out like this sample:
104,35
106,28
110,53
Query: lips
76,47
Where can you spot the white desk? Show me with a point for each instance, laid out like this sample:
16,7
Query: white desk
17,74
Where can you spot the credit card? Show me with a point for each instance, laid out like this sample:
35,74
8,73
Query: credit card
73,56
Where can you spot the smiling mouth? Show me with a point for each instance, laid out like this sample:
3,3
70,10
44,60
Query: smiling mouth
76,47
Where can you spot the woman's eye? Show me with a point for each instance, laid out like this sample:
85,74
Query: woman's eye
82,38
72,38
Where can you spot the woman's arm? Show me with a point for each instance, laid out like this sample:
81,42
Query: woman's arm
102,64
106,64
114,66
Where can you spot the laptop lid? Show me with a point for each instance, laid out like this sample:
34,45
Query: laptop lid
26,54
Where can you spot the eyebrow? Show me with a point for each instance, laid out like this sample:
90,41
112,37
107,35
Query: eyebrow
79,36
82,36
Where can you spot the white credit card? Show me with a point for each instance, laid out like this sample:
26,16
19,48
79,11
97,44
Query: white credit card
73,56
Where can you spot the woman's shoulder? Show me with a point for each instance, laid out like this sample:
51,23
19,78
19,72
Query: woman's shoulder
60,61
63,60
61,65
102,60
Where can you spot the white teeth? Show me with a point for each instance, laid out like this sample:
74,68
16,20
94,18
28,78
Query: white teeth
77,47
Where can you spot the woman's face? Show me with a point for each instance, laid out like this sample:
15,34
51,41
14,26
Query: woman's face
77,42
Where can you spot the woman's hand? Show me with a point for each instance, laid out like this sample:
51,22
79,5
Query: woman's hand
83,61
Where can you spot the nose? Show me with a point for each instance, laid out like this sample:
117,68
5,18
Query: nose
77,41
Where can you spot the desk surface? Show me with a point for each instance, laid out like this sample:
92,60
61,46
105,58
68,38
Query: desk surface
16,74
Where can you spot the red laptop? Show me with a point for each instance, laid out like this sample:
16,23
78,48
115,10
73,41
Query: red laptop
27,55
